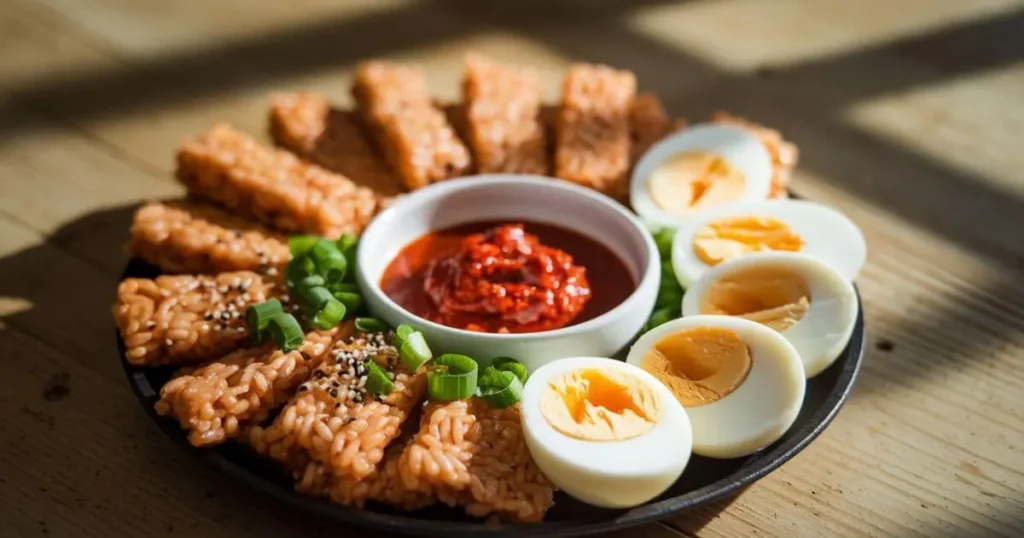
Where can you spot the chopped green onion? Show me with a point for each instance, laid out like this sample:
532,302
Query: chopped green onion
670,298
352,301
348,245
668,271
401,333
508,364
372,325
313,299
377,381
331,314
299,268
258,315
311,281
285,331
500,388
663,238
668,284
329,261
343,287
451,377
414,351
661,316
300,244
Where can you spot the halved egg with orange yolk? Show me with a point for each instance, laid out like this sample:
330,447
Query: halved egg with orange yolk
725,232
696,169
740,382
807,301
604,431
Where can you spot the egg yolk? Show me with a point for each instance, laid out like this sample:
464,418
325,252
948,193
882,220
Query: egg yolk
699,365
727,237
599,405
693,181
774,296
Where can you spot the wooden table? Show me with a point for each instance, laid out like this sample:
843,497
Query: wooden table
908,114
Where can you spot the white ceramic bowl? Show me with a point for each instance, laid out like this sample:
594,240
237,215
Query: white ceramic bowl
508,197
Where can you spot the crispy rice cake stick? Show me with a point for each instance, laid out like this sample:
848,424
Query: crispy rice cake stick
784,153
183,319
395,103
592,131
198,238
272,185
215,401
472,455
306,124
334,420
503,118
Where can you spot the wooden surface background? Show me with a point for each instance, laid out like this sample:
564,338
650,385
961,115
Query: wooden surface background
908,114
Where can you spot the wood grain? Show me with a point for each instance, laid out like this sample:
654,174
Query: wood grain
906,119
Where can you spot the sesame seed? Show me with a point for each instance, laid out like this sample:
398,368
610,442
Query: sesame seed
169,342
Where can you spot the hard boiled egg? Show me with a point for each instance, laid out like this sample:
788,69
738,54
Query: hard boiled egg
803,298
732,230
604,431
698,168
741,383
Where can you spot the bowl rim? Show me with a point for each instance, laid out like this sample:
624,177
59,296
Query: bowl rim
648,274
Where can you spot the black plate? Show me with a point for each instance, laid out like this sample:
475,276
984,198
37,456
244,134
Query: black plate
704,481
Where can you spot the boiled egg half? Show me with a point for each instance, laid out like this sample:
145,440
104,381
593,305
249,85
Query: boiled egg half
740,382
603,431
725,232
699,168
801,297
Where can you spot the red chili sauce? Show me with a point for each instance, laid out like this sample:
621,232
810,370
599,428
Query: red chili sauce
497,277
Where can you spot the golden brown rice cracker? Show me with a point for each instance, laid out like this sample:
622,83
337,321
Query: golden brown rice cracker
216,400
271,185
186,318
334,420
592,132
784,153
504,131
413,133
306,124
472,455
648,123
193,237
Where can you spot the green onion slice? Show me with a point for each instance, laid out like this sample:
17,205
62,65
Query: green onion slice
329,261
663,315
348,244
508,364
299,268
414,351
401,333
500,388
343,287
663,238
352,301
331,314
312,299
258,315
669,299
372,325
311,281
300,244
451,377
377,381
285,331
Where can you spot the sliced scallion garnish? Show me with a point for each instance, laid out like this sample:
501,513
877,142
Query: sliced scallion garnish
377,381
414,351
352,301
329,315
669,299
663,315
663,238
285,331
300,244
312,299
371,325
343,287
500,388
258,315
401,333
348,244
329,261
508,364
299,268
451,377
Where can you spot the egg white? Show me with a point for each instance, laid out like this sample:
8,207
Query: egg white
761,409
825,329
742,150
609,474
827,234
